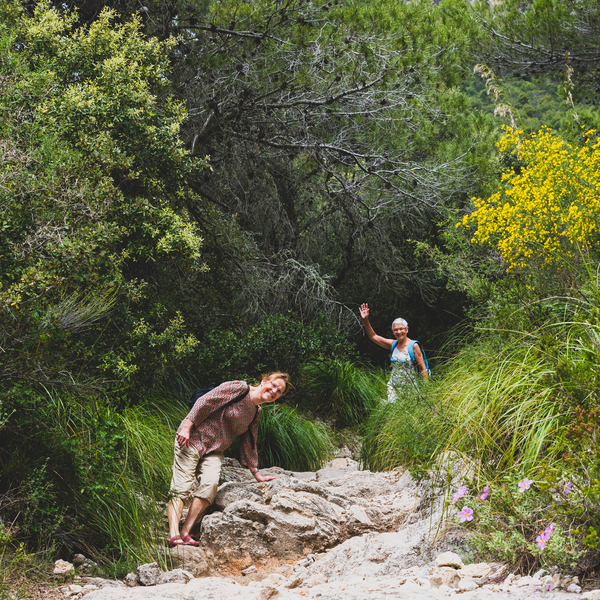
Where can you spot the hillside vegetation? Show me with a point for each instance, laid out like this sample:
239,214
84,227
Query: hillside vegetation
197,191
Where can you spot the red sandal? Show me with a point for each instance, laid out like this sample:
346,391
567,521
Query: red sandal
188,541
175,541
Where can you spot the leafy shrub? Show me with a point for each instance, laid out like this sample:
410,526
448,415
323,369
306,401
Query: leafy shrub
509,522
341,392
278,343
15,563
109,475
544,212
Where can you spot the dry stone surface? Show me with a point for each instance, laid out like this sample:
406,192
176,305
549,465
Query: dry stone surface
337,534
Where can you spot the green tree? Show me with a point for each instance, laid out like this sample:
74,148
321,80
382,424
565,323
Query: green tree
544,36
92,202
336,137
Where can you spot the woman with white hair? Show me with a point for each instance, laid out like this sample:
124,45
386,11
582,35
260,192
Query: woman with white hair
407,356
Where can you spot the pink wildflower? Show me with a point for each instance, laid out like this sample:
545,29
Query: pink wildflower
545,535
466,514
568,488
541,542
524,485
486,491
460,493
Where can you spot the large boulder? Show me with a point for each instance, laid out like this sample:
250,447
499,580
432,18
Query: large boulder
190,558
292,516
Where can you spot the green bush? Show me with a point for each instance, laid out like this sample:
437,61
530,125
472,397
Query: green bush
15,565
505,526
278,343
341,392
88,479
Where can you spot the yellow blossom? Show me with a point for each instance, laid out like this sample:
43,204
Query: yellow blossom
547,209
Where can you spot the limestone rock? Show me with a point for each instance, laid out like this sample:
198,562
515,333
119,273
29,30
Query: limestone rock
449,559
201,569
175,576
573,588
275,579
105,583
527,581
78,560
466,584
268,593
131,580
190,558
234,491
251,569
445,576
374,555
62,567
591,595
294,582
148,574
168,591
290,516
484,569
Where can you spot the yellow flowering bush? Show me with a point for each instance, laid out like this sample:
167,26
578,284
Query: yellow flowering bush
548,208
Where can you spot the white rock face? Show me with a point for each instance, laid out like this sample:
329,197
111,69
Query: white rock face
148,574
293,516
467,585
175,576
338,534
484,571
62,567
449,559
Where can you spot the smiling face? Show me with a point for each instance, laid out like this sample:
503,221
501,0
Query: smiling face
271,389
400,331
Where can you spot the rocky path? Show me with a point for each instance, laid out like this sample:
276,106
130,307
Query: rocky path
338,534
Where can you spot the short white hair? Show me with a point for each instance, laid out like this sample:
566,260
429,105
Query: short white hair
401,321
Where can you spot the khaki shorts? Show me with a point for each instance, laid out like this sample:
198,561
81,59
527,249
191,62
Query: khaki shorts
189,465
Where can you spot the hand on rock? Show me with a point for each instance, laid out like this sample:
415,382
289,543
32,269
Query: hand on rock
260,477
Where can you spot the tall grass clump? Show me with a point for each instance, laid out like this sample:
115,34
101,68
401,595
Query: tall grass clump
505,403
289,440
90,479
341,392
130,512
403,433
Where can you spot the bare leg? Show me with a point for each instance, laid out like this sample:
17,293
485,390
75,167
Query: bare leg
174,510
199,505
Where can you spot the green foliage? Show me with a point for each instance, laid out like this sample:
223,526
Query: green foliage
403,433
537,102
522,40
504,403
93,202
290,440
337,139
341,392
109,474
505,526
15,563
276,343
